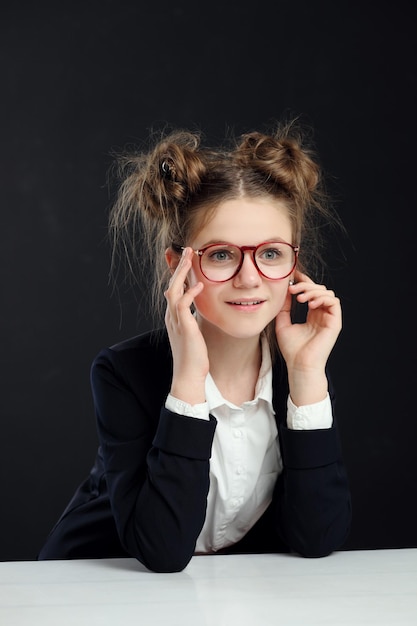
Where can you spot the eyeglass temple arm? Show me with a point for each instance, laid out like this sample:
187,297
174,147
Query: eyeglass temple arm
177,248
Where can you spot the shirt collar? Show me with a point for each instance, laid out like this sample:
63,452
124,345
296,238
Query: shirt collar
263,388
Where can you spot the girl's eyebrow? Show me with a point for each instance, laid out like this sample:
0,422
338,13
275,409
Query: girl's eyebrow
213,241
226,241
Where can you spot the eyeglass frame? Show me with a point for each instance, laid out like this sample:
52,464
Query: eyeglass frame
242,250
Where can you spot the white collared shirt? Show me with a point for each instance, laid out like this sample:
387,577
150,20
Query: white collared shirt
246,458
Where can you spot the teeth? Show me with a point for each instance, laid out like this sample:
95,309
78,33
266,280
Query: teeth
248,303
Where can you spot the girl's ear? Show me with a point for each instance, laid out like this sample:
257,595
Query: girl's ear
172,258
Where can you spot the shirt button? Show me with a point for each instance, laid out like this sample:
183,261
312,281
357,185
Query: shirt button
237,433
240,469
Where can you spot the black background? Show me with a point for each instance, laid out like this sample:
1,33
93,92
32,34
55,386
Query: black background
80,80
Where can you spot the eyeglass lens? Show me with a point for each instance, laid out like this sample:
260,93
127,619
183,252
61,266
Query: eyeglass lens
274,260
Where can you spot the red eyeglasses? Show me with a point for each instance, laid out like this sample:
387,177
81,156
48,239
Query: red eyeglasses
220,262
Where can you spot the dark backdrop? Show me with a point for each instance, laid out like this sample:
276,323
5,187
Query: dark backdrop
82,79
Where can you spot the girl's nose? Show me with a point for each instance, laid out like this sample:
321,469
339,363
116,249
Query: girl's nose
248,275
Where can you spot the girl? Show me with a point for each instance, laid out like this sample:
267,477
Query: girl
217,432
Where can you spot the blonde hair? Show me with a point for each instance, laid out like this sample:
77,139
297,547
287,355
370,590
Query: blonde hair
169,191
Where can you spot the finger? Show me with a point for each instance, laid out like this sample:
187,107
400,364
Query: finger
177,286
182,269
188,296
304,282
318,291
328,301
301,277
302,286
179,290
178,308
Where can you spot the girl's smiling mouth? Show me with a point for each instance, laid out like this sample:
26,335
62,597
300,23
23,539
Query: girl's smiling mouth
246,303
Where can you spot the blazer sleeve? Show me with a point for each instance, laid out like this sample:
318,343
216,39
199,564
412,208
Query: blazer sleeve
312,497
156,462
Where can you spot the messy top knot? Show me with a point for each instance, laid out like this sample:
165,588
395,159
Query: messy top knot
283,159
149,213
173,174
159,182
167,193
288,171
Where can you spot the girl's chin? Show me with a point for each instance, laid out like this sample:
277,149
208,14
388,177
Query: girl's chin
247,330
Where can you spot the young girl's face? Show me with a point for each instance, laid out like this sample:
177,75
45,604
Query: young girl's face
244,305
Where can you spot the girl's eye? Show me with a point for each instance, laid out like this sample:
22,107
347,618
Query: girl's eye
220,255
270,254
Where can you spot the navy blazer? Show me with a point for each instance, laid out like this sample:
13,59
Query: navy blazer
146,494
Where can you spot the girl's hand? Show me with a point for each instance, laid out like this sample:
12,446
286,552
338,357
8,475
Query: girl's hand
306,347
189,350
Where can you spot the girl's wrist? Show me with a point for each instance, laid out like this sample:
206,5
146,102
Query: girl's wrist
189,392
307,387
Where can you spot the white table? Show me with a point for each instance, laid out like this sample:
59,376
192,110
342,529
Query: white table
350,588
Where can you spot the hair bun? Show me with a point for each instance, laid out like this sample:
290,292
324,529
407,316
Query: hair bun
281,158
